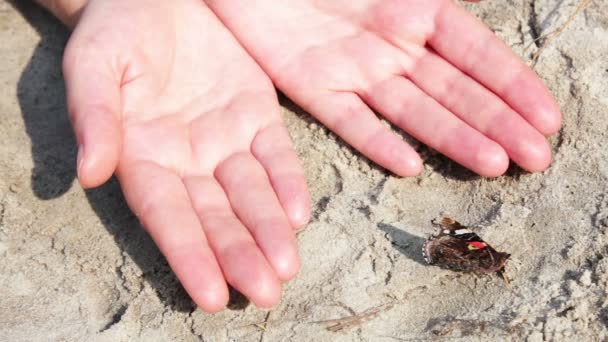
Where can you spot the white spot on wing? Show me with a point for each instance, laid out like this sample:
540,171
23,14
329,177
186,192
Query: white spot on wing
462,231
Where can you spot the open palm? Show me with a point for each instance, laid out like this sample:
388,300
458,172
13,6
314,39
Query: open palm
426,65
168,100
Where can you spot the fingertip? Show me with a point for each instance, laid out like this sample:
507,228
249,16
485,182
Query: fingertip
281,251
533,101
410,166
551,122
96,165
492,162
288,266
391,152
274,150
248,270
268,294
538,155
93,99
294,197
212,300
299,212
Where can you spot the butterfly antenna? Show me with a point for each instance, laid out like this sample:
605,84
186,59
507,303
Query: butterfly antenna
504,277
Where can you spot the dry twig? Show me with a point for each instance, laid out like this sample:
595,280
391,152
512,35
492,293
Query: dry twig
554,34
340,324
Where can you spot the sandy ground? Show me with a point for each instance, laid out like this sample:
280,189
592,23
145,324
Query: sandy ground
75,264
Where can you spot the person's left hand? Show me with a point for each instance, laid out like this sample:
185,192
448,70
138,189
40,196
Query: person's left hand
162,94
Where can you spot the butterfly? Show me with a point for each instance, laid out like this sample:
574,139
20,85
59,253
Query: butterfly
457,248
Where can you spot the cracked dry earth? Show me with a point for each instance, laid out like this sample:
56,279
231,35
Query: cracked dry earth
75,265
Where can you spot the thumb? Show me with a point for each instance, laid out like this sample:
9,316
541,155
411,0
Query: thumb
93,98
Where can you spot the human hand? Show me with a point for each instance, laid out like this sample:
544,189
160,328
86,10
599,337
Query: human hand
428,66
161,94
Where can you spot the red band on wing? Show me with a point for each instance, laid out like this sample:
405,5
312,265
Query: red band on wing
477,244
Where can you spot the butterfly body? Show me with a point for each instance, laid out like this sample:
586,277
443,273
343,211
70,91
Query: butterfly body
457,248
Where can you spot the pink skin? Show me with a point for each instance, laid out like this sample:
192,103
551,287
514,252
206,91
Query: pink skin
161,94
427,66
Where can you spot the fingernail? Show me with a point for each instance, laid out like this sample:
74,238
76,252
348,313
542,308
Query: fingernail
79,160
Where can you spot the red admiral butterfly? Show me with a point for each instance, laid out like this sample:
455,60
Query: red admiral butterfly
457,248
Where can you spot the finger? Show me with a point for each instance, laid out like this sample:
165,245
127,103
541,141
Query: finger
404,104
273,148
482,110
93,97
160,200
351,119
468,44
255,203
244,265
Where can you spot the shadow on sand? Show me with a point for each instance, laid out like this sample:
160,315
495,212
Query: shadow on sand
409,245
41,96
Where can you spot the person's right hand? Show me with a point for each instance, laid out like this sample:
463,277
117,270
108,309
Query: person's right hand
427,66
160,93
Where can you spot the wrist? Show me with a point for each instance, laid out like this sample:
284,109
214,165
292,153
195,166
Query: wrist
67,11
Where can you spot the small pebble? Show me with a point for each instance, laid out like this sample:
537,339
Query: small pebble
585,279
536,336
580,144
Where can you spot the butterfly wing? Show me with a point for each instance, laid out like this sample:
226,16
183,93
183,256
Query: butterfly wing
457,248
